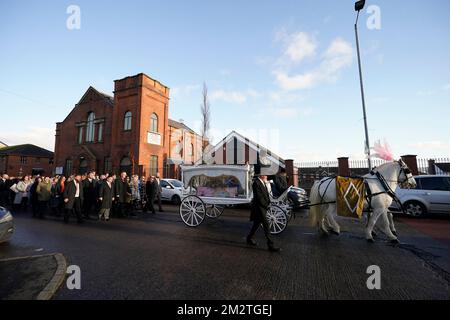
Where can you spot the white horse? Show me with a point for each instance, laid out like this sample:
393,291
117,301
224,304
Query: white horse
324,191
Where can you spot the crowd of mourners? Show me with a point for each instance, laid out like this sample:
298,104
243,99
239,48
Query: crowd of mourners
84,196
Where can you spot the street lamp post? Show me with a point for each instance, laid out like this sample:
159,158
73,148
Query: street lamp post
358,7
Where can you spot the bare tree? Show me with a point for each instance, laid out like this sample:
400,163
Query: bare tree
206,117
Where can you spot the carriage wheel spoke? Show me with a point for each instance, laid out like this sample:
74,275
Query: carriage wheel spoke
194,217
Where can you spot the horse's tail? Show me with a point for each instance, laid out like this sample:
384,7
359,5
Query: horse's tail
315,210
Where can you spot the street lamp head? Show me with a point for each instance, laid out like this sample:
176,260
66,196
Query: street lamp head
359,5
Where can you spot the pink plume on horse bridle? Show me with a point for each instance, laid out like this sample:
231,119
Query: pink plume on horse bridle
382,151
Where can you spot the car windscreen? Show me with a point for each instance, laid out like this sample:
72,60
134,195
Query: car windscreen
176,183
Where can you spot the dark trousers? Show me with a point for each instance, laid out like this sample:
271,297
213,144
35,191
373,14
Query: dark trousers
123,209
76,209
158,198
3,198
90,207
266,229
35,207
24,203
43,207
149,205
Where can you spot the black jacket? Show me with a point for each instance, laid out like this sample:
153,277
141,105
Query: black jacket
281,184
106,193
121,188
151,189
90,190
69,193
260,202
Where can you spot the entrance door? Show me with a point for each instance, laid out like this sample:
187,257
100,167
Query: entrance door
83,166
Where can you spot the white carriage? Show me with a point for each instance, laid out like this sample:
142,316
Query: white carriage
211,188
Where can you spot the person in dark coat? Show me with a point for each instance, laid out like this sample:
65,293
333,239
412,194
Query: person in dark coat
281,183
90,194
106,197
122,192
259,206
151,189
73,199
34,197
159,192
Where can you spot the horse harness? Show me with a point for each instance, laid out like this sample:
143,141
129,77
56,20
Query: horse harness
368,193
387,190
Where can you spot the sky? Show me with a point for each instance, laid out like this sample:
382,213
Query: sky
283,73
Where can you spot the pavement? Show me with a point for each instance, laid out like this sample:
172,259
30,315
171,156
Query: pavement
158,257
31,277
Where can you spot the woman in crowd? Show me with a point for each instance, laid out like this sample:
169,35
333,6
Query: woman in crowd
142,192
21,197
44,194
60,190
135,194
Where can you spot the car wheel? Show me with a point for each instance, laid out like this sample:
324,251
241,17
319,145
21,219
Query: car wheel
176,200
415,209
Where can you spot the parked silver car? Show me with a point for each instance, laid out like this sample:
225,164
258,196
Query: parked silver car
6,225
172,190
432,195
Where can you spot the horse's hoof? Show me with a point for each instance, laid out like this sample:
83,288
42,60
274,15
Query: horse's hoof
374,234
334,232
394,241
394,233
370,240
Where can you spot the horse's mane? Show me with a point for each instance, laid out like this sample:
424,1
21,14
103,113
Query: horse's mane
383,165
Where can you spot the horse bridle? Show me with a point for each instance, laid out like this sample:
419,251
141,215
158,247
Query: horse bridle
403,169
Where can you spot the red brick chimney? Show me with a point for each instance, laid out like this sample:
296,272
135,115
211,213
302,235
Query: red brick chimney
343,167
411,162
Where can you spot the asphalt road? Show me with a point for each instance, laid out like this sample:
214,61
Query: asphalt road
158,257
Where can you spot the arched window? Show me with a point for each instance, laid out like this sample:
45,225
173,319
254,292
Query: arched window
90,127
127,121
126,165
154,123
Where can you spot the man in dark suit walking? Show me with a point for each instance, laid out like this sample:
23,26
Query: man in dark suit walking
90,194
121,192
106,197
73,199
260,205
151,187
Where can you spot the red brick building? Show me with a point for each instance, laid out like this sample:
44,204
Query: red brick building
129,132
25,159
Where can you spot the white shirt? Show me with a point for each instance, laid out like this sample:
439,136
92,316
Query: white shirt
77,193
